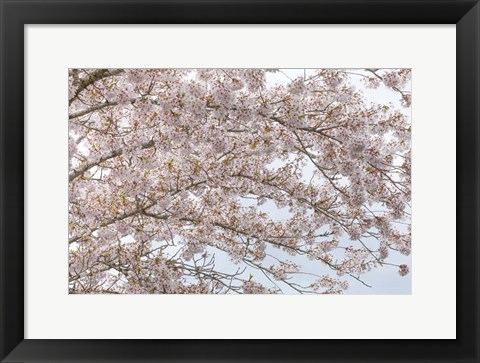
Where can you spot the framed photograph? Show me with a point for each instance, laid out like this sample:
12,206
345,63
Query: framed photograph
239,181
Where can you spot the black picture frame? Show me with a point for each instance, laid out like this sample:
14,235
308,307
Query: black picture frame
15,14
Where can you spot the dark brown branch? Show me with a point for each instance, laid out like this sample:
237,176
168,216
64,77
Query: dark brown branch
77,172
92,78
91,109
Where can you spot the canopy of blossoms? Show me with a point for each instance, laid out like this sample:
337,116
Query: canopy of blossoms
170,171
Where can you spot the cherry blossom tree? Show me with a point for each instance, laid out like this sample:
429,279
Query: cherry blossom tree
170,171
